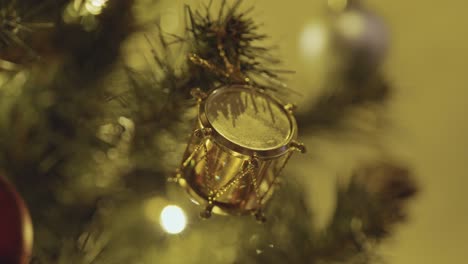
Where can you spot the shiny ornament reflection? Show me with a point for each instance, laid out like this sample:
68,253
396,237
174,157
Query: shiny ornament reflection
363,33
173,219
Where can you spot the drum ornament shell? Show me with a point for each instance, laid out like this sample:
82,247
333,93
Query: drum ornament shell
243,139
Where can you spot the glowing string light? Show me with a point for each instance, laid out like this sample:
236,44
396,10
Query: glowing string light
173,219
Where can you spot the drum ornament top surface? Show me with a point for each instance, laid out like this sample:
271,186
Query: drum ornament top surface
249,119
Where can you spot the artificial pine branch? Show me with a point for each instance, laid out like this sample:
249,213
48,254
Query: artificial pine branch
220,49
51,125
367,211
85,170
23,26
337,104
356,81
226,48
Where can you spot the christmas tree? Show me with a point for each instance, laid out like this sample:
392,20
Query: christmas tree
92,136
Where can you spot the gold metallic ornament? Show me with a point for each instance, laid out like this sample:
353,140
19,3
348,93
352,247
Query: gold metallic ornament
243,139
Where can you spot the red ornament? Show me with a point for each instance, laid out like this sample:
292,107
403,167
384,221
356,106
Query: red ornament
16,233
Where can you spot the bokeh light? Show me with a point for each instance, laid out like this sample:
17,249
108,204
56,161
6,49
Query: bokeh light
95,6
313,40
84,12
351,24
173,219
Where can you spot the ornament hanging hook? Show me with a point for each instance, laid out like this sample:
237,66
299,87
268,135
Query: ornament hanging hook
291,108
198,94
294,145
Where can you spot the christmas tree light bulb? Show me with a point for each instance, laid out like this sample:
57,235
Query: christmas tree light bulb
173,219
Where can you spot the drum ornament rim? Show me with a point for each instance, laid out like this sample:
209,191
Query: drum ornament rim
236,149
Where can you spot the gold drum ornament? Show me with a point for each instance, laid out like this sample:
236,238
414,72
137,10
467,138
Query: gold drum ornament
243,139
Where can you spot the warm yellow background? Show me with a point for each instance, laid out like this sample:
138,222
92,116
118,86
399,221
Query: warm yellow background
428,65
